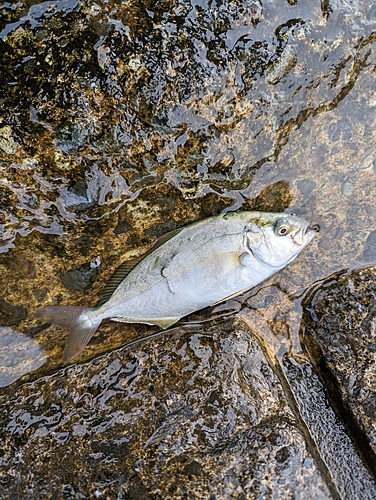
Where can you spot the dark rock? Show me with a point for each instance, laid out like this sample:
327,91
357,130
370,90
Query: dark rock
369,405
18,264
160,229
369,252
371,239
40,294
200,414
193,469
122,227
77,197
80,278
274,198
340,334
306,186
11,315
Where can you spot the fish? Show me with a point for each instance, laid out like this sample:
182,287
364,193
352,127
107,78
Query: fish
196,266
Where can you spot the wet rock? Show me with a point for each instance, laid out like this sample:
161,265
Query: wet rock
147,116
275,322
7,143
77,197
18,264
80,278
306,186
340,334
347,472
11,315
196,96
122,227
347,188
200,414
274,198
40,294
369,252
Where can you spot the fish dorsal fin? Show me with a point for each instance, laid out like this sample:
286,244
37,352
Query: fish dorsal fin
163,239
121,272
126,267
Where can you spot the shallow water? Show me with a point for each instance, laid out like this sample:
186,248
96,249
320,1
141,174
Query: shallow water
155,120
120,122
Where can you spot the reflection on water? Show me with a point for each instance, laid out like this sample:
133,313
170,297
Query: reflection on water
19,354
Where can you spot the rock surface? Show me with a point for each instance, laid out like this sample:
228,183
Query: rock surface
123,120
198,415
339,332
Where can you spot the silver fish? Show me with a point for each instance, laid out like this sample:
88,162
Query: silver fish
194,267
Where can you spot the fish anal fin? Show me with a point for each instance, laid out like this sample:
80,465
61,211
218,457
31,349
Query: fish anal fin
162,322
126,267
166,323
233,295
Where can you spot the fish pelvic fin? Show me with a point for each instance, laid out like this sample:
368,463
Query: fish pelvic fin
81,323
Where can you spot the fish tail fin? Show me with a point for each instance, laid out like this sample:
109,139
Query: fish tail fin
81,323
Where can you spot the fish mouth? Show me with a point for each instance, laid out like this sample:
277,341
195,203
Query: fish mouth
310,231
315,228
304,235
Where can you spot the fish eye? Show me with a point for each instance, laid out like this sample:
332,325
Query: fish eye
281,228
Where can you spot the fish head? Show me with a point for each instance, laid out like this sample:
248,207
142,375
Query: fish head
276,239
